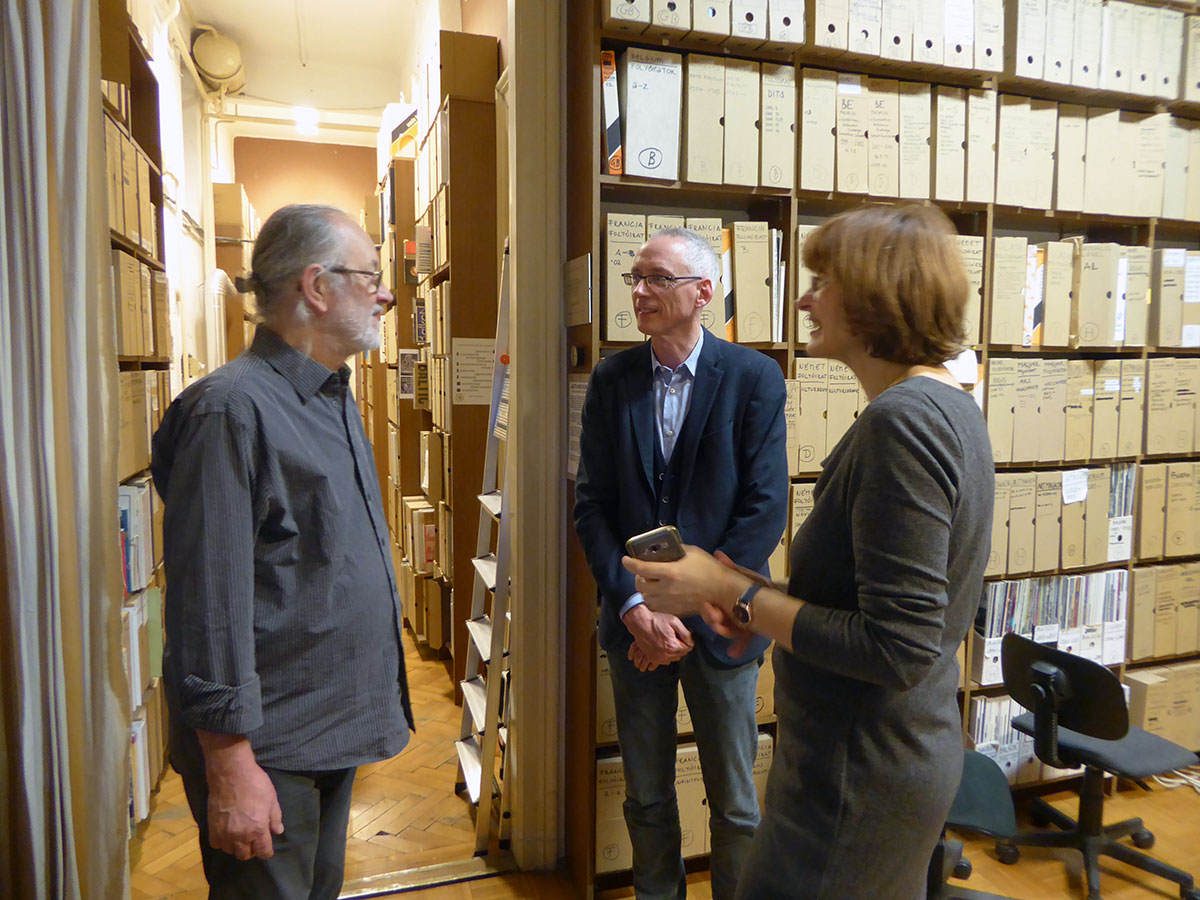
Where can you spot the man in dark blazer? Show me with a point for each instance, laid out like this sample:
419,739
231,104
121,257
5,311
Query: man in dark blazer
686,430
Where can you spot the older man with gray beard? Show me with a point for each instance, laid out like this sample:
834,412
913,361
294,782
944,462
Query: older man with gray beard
283,667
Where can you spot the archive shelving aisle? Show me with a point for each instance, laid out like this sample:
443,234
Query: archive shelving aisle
440,254
1063,141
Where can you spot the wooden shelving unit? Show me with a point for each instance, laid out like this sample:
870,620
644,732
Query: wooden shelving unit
407,419
135,192
469,273
590,194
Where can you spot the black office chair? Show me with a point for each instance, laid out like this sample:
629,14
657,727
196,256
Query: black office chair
982,805
1079,719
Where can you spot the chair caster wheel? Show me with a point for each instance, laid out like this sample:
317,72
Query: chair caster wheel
962,868
1008,854
1143,839
1189,893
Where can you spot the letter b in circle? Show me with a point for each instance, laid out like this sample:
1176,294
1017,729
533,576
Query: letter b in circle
650,158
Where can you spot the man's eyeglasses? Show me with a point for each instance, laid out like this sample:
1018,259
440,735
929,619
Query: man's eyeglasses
376,278
658,282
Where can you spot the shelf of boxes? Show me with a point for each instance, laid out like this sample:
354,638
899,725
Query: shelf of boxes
1062,140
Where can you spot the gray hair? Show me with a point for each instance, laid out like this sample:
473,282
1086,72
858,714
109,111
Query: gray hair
292,238
698,254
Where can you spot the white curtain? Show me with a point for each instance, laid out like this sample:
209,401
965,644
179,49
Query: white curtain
63,714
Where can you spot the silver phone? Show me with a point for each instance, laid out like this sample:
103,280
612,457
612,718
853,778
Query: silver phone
662,544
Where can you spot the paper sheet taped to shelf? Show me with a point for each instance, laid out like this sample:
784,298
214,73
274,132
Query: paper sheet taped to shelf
473,359
424,264
1191,281
1074,486
406,386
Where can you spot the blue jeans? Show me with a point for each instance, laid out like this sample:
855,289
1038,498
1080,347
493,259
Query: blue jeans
721,702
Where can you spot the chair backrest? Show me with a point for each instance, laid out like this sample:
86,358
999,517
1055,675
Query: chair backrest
983,802
1080,694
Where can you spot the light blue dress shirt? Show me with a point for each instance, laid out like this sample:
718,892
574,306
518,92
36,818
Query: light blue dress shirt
672,399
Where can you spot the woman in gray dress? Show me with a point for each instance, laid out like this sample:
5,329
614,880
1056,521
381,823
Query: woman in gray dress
886,575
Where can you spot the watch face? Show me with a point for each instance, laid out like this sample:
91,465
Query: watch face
741,613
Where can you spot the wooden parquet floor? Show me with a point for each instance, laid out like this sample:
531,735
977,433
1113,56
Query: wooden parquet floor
1172,815
404,812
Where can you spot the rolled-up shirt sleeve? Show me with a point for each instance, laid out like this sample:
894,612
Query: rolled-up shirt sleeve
208,532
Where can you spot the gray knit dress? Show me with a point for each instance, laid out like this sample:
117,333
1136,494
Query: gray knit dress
890,565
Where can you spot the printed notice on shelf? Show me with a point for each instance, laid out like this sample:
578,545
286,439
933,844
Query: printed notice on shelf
1120,538
1074,486
576,392
408,368
424,264
1191,279
964,367
849,84
578,272
500,429
472,360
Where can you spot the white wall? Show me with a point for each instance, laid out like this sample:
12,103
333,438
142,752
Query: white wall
181,138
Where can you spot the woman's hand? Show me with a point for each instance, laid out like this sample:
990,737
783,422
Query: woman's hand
684,587
728,563
721,622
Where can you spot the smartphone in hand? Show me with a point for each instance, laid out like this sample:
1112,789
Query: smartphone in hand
662,544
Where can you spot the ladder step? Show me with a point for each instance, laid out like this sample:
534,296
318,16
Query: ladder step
481,633
472,767
491,502
475,694
486,567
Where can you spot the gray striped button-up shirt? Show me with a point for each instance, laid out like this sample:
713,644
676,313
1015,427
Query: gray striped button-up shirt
281,612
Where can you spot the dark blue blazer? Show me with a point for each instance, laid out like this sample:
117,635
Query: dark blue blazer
733,474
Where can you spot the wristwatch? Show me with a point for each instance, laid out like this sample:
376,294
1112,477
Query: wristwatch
741,612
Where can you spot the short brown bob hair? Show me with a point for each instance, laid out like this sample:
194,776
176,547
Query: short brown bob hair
902,279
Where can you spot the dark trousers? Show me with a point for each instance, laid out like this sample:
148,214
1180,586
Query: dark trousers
310,855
